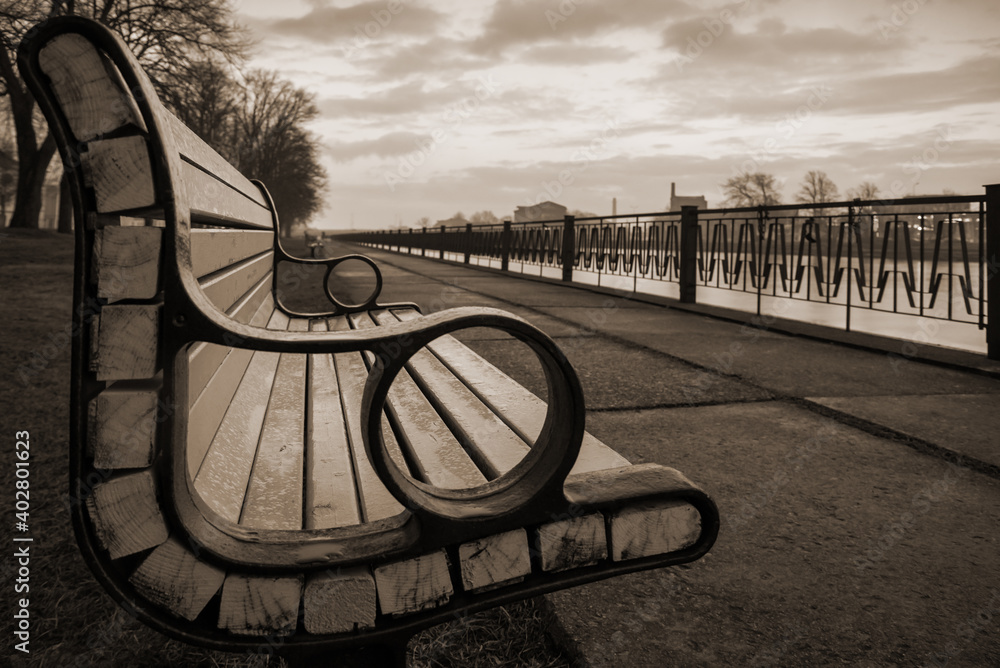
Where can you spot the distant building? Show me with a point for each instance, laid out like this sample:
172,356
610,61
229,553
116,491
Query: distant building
452,222
542,211
677,201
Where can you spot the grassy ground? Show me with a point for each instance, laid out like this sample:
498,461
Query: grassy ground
73,622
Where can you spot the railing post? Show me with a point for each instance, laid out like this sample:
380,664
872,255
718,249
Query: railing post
423,242
689,254
468,242
505,246
568,247
441,252
992,269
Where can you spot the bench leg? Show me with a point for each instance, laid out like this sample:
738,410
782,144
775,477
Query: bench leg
390,655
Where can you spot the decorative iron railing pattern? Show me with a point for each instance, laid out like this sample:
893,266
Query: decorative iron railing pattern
927,256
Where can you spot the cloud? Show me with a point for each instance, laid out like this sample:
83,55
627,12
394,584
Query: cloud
370,20
575,55
386,146
407,98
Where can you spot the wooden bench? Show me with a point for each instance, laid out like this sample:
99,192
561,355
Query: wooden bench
246,475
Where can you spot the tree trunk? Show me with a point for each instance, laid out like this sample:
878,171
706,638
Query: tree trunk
31,169
65,224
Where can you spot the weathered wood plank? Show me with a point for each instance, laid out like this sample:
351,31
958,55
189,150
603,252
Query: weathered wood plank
196,151
260,605
122,427
124,342
331,496
340,601
435,452
126,516
493,446
214,249
127,262
274,495
414,584
213,201
210,407
120,173
174,578
521,409
376,501
225,288
92,96
572,543
204,358
653,527
495,560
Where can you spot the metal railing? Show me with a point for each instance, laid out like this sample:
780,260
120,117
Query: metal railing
858,265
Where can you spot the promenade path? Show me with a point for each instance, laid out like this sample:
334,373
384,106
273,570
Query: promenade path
859,491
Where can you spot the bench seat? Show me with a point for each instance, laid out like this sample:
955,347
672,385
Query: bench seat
244,473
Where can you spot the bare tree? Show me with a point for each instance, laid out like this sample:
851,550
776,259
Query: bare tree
167,36
424,222
751,189
866,191
484,218
817,187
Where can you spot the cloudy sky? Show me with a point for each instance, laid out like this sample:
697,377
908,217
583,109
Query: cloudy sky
428,108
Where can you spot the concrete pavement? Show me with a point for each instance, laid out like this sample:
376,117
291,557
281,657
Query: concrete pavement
859,491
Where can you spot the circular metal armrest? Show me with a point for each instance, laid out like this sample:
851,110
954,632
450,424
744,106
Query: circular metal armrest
526,494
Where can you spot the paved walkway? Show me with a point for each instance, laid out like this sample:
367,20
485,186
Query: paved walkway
859,492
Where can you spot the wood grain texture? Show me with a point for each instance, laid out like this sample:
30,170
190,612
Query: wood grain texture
120,173
126,262
331,498
572,543
495,560
225,288
211,406
91,93
214,201
260,605
521,409
126,516
414,584
653,527
376,501
124,342
274,495
340,601
213,249
122,427
172,577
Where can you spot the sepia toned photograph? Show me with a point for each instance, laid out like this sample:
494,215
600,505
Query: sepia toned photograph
527,333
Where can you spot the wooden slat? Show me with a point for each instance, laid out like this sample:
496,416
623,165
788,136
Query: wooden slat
331,497
572,543
224,288
260,605
127,262
435,452
124,342
653,527
204,358
494,561
214,201
126,515
122,427
213,249
120,173
91,95
340,601
414,584
490,442
196,151
171,576
520,408
210,408
274,495
375,500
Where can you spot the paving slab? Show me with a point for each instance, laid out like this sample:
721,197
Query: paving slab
836,547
